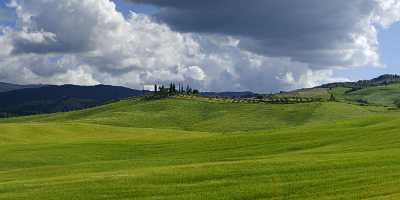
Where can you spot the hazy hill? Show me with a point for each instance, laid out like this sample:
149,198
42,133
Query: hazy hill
49,99
5,87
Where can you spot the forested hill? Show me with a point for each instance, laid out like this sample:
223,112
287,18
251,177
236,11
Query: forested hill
49,99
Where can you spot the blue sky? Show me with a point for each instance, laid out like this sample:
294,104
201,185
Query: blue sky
124,7
269,57
6,15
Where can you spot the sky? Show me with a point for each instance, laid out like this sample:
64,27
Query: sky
214,45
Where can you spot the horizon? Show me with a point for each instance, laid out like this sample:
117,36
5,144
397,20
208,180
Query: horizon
132,43
150,87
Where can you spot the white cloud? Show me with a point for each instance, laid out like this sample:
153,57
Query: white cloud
193,72
387,13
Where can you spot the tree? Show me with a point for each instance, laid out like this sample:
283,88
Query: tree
180,88
332,98
162,89
155,88
170,89
286,100
173,88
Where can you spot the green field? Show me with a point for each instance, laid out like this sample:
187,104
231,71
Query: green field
203,149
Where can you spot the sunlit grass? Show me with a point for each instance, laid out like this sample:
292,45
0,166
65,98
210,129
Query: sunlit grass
201,149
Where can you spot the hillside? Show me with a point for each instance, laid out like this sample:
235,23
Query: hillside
386,95
381,91
381,80
202,114
192,147
48,99
31,99
203,148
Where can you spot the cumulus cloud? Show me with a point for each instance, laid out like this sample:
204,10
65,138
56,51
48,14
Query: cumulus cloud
94,34
214,45
387,12
194,72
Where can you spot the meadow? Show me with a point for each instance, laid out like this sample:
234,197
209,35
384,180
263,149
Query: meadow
198,148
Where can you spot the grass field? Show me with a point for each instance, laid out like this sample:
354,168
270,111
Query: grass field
201,149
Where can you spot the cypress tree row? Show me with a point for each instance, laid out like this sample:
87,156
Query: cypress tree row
160,91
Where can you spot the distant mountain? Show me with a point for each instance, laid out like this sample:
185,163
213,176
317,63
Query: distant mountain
6,87
229,94
50,99
381,80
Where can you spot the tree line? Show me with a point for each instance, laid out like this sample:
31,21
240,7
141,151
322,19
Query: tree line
162,91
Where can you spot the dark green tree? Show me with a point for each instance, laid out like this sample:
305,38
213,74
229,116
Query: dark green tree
332,98
173,88
170,91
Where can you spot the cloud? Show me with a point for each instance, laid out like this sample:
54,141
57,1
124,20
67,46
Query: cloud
320,33
94,34
194,72
254,48
387,12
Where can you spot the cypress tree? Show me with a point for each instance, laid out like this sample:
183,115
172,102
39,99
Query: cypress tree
187,89
332,98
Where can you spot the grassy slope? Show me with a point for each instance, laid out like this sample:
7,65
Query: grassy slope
194,149
310,92
386,95
203,115
380,95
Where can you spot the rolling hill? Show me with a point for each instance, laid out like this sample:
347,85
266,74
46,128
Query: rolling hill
192,147
378,81
203,148
381,91
385,95
38,99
